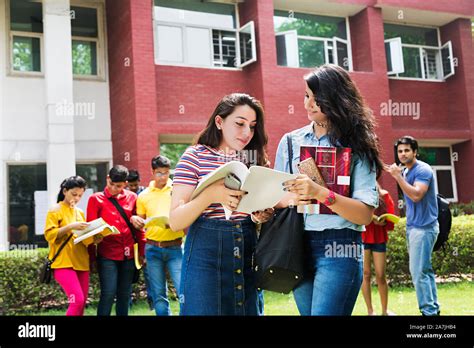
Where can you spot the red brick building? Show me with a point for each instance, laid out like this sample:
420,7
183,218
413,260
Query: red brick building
170,62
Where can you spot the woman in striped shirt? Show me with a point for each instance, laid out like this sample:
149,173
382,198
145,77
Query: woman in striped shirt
217,277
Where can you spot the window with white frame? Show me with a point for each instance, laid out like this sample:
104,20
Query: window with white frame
416,53
204,34
26,37
440,160
306,40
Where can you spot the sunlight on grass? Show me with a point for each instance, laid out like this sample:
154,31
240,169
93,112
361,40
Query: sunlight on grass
454,298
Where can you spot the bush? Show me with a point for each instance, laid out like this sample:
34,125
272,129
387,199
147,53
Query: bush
456,259
458,209
21,292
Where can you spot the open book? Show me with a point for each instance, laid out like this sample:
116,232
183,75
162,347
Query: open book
388,217
98,226
157,221
264,185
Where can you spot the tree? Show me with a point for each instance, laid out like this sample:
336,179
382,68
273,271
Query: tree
173,152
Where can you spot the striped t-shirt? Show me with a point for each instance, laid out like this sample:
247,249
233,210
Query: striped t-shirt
196,162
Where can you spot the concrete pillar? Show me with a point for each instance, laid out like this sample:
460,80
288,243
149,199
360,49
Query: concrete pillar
3,178
61,157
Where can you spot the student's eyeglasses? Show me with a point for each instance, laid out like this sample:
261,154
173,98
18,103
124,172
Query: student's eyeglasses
161,174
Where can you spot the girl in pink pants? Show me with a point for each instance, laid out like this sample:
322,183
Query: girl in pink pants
76,285
71,266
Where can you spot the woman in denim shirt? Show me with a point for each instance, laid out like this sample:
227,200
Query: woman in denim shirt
339,117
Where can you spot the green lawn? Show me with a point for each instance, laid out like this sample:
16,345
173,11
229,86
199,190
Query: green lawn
454,298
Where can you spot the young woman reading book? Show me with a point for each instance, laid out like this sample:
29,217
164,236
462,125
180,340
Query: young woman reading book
217,276
339,118
71,267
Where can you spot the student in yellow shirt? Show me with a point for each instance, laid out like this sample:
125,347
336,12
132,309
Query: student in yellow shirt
163,248
71,267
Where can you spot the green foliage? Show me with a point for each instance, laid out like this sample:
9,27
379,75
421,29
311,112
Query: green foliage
462,208
456,259
20,289
411,61
311,52
411,35
306,27
173,152
26,54
83,58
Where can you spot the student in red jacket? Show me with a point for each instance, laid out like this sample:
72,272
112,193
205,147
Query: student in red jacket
115,255
375,240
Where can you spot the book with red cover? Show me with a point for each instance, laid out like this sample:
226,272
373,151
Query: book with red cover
334,164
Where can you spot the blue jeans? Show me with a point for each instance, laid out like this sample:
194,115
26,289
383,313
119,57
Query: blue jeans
420,242
217,276
334,269
115,282
157,260
149,295
261,302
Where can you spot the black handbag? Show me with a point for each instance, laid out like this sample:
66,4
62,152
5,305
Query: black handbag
45,272
278,258
136,274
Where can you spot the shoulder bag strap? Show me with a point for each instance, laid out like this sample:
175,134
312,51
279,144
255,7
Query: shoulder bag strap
290,152
124,216
61,248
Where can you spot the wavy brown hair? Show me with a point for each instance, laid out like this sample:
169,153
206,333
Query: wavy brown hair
350,121
212,137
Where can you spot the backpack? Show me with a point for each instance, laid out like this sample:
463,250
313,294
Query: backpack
444,220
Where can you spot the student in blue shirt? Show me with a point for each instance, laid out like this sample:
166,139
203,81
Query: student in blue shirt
417,184
339,117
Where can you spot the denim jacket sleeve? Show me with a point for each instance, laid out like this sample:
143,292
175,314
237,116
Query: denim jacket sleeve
363,182
281,158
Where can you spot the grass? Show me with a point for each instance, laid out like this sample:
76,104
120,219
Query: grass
454,298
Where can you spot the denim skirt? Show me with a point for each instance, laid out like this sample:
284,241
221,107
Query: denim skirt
217,276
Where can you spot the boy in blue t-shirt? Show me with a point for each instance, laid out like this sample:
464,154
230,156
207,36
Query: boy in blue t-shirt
417,184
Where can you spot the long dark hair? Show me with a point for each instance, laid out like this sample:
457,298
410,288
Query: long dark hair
351,122
70,183
212,137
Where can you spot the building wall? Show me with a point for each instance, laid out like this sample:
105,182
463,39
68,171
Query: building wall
183,97
23,122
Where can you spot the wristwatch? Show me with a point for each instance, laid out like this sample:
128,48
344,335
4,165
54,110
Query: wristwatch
330,199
